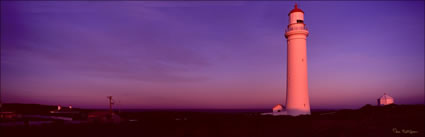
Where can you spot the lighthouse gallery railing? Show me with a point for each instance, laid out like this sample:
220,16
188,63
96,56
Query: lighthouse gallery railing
296,28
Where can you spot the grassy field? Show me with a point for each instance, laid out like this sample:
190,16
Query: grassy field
369,121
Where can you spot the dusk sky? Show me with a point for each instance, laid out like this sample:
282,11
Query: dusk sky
208,54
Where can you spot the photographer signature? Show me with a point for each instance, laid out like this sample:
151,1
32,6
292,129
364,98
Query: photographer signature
404,131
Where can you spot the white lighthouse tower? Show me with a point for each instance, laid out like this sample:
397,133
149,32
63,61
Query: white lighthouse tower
297,99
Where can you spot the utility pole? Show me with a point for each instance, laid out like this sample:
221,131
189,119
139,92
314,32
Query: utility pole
1,105
111,102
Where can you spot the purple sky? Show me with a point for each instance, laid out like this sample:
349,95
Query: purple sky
200,54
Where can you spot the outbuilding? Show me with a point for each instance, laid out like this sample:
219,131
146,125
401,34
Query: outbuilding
278,108
385,100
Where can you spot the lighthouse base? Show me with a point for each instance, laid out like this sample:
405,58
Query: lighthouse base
297,112
291,113
276,113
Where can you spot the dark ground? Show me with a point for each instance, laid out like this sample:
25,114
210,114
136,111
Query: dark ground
369,121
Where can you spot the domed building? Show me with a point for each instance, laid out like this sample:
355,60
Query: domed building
385,100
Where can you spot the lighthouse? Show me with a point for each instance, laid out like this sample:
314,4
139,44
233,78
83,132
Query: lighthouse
297,98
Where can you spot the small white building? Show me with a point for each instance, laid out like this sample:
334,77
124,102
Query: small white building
278,108
277,111
385,100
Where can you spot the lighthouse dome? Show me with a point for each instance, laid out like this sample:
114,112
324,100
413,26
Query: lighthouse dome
296,9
